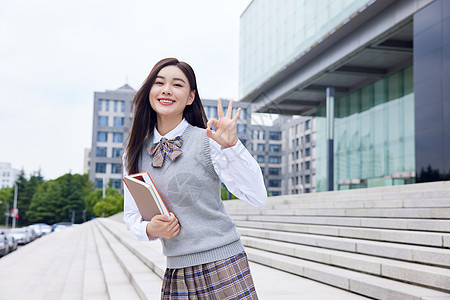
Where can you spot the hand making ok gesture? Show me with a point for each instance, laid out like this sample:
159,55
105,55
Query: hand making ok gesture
226,132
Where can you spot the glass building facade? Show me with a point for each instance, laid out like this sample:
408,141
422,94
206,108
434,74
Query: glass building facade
273,34
374,135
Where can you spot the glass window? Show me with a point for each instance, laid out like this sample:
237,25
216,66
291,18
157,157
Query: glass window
274,193
274,159
260,158
118,121
307,124
118,137
274,183
275,135
307,179
116,152
100,168
116,183
102,121
100,104
241,128
115,105
98,183
116,168
260,148
101,152
122,104
274,171
274,148
107,105
307,138
102,136
307,165
244,114
307,152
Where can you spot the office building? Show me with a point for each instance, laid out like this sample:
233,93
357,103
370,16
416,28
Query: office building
268,151
111,125
8,175
300,155
385,65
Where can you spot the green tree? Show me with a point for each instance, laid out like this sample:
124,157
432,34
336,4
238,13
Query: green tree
25,191
6,198
90,201
45,205
71,197
110,205
56,200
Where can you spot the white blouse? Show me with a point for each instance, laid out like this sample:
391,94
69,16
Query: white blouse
235,166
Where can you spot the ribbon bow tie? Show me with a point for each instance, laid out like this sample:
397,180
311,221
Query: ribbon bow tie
171,148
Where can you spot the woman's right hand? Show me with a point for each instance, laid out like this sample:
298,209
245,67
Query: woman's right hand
163,226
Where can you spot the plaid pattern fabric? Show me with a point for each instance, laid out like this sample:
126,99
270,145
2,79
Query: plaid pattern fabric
171,148
224,279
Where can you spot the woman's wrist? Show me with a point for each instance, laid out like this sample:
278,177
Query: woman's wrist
149,231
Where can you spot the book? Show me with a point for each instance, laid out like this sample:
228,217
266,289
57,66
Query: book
145,195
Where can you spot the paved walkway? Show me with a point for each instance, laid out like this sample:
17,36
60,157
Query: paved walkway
83,263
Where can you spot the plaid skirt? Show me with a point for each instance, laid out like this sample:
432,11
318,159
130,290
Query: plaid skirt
224,279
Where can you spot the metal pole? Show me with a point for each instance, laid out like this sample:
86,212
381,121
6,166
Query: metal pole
104,187
330,138
7,215
15,207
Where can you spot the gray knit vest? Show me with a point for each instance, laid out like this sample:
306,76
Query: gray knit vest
190,188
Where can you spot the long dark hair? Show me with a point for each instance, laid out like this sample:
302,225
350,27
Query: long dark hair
144,117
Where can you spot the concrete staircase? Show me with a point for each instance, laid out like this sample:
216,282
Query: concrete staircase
383,243
101,260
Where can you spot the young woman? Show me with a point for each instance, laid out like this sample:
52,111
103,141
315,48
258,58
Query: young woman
172,140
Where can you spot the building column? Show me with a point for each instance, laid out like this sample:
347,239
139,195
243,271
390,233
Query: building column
330,138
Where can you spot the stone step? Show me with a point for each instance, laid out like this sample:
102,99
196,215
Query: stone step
94,286
117,283
267,287
73,287
431,276
410,253
364,284
384,223
146,283
411,195
434,239
149,253
415,213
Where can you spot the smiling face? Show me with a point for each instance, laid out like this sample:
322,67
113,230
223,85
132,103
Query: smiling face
170,94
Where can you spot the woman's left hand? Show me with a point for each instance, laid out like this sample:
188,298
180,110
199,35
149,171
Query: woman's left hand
226,132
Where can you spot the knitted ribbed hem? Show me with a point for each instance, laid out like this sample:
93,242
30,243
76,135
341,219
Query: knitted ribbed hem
194,259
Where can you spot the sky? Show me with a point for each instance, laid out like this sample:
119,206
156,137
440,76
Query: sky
55,54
